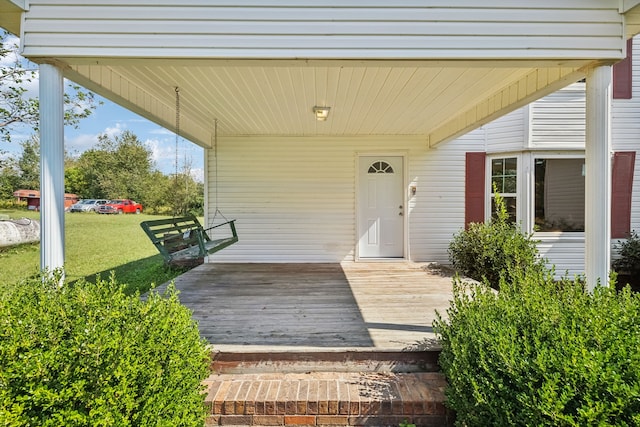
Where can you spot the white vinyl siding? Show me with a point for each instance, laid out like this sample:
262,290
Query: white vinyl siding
508,133
558,120
437,211
294,199
493,29
566,256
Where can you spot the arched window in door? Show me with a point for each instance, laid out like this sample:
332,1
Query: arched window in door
380,167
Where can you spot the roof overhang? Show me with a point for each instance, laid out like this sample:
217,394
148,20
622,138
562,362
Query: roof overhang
417,77
11,13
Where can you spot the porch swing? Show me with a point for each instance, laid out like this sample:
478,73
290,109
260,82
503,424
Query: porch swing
182,241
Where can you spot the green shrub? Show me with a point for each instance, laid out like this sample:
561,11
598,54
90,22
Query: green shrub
159,210
13,204
542,353
487,251
628,261
89,355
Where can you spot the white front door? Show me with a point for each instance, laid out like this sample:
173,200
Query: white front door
380,207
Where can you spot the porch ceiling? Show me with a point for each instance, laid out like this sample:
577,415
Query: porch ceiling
438,100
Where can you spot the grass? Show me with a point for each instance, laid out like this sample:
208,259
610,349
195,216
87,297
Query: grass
94,245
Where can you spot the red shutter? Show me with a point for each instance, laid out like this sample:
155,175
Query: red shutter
621,188
474,188
622,72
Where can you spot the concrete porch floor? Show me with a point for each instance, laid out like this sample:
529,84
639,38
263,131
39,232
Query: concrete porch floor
352,306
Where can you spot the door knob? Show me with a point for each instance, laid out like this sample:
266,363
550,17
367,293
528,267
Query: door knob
400,213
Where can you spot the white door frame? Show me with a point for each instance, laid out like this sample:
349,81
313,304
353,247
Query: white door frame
405,200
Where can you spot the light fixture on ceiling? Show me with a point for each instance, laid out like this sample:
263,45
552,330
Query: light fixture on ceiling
321,113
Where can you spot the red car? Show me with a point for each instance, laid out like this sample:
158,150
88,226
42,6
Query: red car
120,206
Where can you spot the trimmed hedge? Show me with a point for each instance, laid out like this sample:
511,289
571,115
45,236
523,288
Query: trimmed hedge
628,260
494,249
542,353
89,355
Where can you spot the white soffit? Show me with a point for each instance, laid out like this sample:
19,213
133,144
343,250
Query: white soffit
271,99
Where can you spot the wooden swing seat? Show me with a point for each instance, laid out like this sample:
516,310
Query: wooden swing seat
182,241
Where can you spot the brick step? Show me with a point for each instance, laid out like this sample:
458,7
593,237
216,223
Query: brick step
327,399
335,361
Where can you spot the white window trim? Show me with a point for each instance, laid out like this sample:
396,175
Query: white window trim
525,196
489,187
548,236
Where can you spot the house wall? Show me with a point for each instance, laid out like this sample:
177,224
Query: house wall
509,133
294,198
439,208
492,29
625,133
556,123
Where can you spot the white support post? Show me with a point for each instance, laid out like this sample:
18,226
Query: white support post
206,155
51,168
598,177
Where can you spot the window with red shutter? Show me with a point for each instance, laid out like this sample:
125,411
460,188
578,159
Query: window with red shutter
622,75
474,188
621,188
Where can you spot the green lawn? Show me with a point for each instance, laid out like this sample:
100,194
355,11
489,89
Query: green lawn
94,244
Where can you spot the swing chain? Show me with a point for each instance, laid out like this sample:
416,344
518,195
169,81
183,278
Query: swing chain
215,156
177,89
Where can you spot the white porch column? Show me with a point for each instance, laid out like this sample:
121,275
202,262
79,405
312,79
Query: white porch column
51,167
598,177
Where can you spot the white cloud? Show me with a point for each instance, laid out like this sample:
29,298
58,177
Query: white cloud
84,141
161,131
197,174
116,130
80,143
162,153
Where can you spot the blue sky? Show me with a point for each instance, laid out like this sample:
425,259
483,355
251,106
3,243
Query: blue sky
111,119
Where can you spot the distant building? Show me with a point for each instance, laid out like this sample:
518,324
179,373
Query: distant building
32,197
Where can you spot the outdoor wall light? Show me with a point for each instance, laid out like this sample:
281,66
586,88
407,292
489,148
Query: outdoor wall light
321,113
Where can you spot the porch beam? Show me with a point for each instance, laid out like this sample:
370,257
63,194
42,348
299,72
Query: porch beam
536,84
598,176
51,168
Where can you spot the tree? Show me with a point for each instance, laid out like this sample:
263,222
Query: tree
29,164
74,179
9,178
16,107
116,168
186,195
158,193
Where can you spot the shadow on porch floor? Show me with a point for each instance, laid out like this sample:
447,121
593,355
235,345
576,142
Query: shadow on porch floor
382,306
321,344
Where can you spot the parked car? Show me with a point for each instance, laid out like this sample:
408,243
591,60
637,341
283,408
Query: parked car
120,206
87,205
